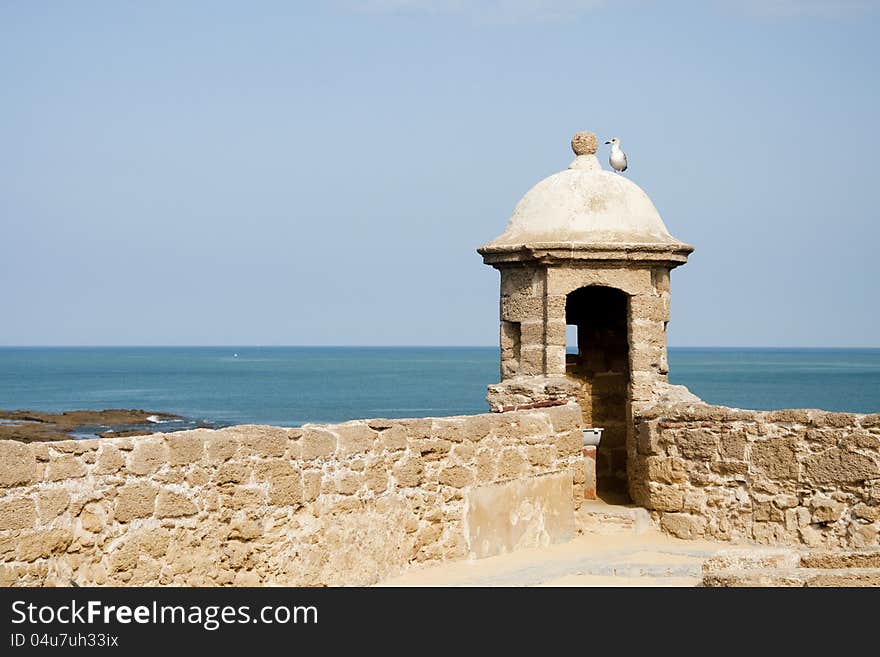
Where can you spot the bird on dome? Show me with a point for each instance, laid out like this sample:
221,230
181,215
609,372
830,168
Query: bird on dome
617,158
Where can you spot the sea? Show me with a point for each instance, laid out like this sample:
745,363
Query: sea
290,386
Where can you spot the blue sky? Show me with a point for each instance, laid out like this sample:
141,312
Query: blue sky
321,173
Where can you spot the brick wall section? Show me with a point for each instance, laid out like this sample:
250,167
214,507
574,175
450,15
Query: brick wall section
791,477
341,504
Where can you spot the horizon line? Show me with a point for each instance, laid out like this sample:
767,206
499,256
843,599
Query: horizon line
382,346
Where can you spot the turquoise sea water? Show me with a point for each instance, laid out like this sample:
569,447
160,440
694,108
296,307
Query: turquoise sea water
293,385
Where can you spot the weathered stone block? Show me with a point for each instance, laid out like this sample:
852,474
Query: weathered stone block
695,501
232,473
786,501
354,439
220,446
245,527
456,476
454,431
650,307
765,511
311,485
649,438
863,536
861,439
568,443
647,357
92,519
822,436
377,478
432,449
541,455
683,525
531,360
555,359
866,512
735,469
17,513
485,461
135,500
110,460
825,510
829,419
51,503
520,281
394,438
511,464
839,466
733,446
409,473
261,440
417,429
463,452
43,544
148,455
665,470
769,533
171,504
67,466
185,447
698,444
664,498
317,443
518,308
556,332
244,497
479,426
566,418
152,541
18,466
532,332
348,483
789,416
776,457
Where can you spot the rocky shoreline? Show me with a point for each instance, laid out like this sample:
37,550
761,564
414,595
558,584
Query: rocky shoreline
36,426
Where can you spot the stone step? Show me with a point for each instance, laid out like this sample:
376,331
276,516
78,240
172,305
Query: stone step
812,577
741,559
793,567
599,517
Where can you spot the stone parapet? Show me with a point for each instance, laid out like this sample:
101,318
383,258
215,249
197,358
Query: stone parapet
774,477
350,503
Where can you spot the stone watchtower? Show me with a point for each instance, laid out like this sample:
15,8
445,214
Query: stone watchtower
585,248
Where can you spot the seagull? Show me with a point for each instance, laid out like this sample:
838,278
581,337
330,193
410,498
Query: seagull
617,159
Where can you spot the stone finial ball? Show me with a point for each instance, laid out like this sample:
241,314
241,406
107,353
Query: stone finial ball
584,143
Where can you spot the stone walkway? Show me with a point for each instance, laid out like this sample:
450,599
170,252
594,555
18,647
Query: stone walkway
620,547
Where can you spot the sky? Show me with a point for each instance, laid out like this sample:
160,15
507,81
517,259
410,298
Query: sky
272,173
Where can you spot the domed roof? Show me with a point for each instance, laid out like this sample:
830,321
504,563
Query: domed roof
584,205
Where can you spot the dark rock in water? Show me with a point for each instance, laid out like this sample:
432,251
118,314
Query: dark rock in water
35,426
124,433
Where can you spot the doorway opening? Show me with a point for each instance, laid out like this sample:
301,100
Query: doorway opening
599,361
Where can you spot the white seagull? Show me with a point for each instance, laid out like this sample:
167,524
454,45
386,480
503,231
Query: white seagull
617,159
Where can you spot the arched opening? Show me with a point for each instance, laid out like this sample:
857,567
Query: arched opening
600,362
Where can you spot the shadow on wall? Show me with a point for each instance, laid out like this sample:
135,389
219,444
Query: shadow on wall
601,368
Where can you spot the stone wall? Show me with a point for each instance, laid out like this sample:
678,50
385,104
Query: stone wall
343,504
533,319
782,477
